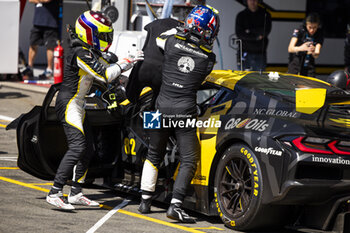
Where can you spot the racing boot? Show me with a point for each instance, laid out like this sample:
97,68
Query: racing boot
175,212
57,199
145,206
80,199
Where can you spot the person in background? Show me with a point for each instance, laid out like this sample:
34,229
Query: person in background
305,46
87,59
347,50
253,26
188,59
44,33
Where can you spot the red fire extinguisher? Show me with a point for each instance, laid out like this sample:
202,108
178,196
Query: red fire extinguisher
58,63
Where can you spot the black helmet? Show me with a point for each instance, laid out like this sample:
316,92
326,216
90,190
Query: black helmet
339,78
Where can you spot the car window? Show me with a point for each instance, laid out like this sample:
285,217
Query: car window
204,96
285,86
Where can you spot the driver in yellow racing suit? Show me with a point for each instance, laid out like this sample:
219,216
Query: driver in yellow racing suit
84,62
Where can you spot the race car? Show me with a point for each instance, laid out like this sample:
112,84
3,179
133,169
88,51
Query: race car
275,148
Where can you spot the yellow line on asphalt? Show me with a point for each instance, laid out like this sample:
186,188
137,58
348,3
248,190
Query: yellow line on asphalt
24,184
109,208
3,126
41,183
209,228
9,168
158,221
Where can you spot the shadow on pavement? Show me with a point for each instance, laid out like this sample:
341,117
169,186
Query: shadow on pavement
12,95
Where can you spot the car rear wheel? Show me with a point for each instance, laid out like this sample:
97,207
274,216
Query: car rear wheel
238,191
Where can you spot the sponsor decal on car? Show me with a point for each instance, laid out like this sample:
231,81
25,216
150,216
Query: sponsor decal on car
248,123
129,146
217,202
275,112
268,151
338,160
199,177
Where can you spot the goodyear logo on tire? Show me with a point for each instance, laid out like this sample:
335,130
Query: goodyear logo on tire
251,160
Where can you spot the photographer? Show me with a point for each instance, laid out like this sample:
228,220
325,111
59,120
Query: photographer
304,46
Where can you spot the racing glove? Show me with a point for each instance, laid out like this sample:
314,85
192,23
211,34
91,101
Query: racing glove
128,63
114,70
110,57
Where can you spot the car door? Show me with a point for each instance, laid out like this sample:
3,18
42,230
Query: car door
40,139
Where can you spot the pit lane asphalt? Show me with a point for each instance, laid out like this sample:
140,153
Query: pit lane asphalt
22,197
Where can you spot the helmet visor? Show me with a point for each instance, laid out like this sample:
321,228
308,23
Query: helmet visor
106,36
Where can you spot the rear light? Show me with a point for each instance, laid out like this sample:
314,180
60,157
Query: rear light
338,148
322,145
310,147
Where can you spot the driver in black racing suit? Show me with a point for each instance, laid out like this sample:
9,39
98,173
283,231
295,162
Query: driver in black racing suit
188,59
84,63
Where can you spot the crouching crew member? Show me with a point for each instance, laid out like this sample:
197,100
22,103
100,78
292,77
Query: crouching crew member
188,59
90,40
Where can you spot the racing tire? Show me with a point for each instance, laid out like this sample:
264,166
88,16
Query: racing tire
238,192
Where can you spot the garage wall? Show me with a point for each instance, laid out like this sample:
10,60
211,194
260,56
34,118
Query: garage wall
9,18
332,51
278,38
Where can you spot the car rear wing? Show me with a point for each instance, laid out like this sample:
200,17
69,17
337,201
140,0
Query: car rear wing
338,97
337,112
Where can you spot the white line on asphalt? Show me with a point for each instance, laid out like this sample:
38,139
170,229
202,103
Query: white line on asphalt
13,160
39,81
6,118
108,215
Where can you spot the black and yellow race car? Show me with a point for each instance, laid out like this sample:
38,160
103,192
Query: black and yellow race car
275,149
